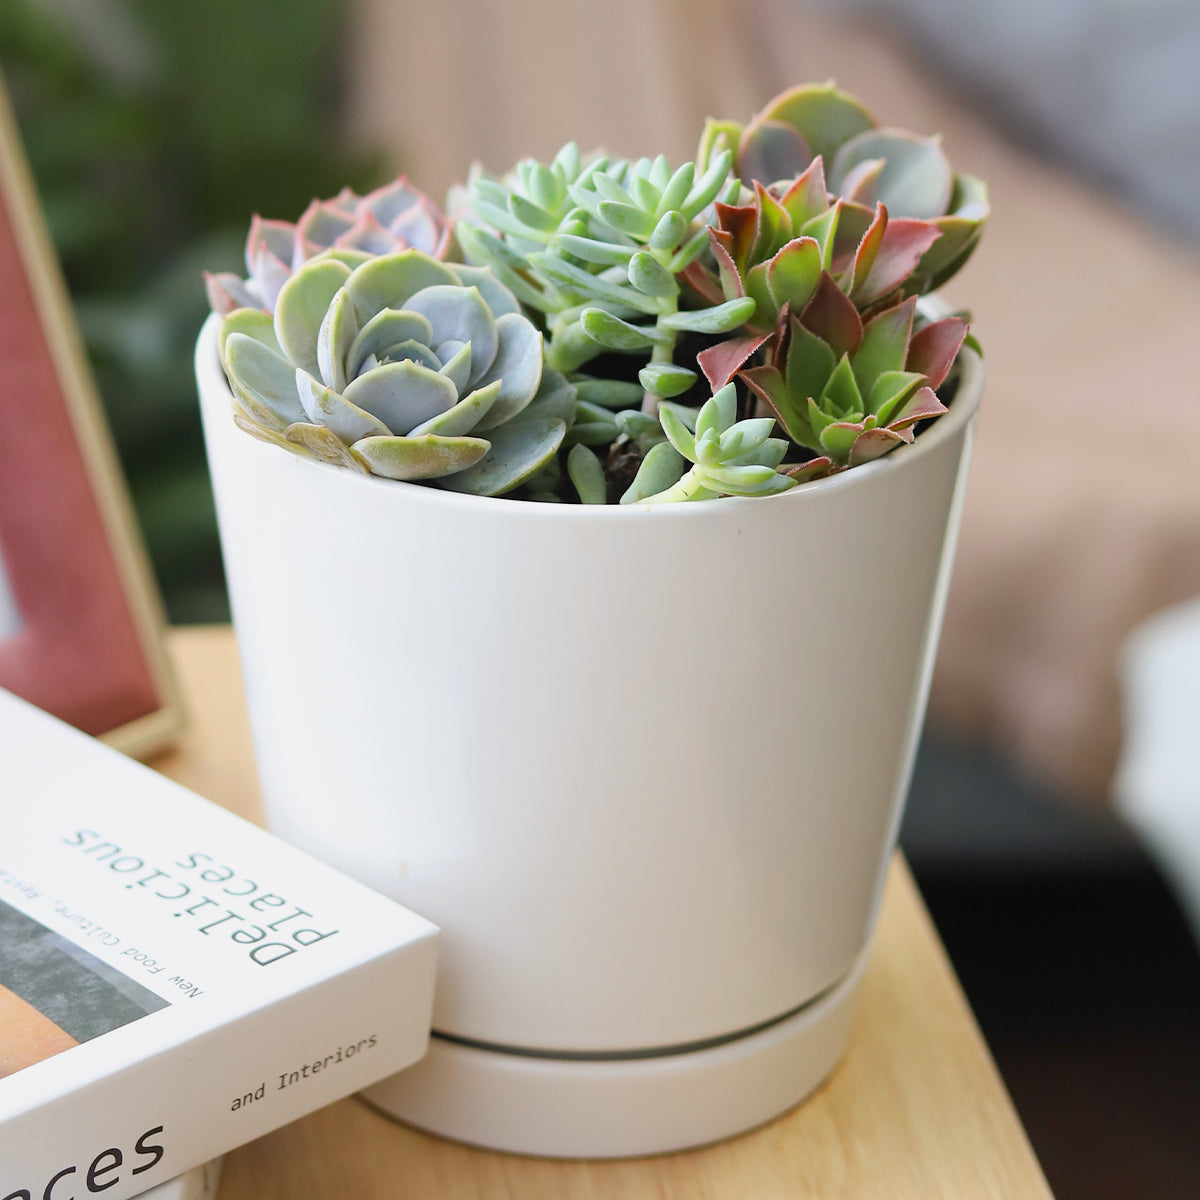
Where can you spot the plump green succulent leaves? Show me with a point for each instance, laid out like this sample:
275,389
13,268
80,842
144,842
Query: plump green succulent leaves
615,334
607,260
323,406
402,362
518,451
666,379
587,475
428,456
300,310
389,281
728,457
662,467
252,322
263,381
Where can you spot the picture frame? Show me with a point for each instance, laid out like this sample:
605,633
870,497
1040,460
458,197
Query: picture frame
81,624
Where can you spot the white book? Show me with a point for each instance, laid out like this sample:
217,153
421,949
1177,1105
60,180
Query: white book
200,1183
174,981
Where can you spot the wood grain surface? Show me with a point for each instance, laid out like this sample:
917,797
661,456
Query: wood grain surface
916,1110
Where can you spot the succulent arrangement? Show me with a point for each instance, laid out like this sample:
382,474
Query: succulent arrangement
598,330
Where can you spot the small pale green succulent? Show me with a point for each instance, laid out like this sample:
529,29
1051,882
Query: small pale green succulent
599,247
729,457
404,367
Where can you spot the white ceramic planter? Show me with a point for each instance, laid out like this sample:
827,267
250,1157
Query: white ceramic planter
643,765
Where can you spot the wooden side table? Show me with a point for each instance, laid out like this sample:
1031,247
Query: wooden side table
916,1110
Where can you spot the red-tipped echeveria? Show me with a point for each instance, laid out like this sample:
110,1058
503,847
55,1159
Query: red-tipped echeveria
394,217
403,367
777,248
864,164
849,390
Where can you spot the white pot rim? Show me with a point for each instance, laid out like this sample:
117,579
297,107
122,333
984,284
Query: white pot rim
962,408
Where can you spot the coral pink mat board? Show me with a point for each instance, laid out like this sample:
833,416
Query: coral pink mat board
79,622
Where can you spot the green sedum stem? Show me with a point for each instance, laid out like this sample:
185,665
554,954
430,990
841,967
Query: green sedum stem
664,351
688,488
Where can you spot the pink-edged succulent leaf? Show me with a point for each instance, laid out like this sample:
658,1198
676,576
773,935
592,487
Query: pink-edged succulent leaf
390,201
768,384
227,292
916,179
720,363
740,222
862,182
904,243
920,405
823,228
872,444
933,349
831,315
853,223
701,281
944,259
884,345
347,200
319,227
838,437
367,234
268,276
794,272
275,237
721,243
772,228
859,270
891,390
771,150
823,115
350,227
815,468
961,229
423,227
805,198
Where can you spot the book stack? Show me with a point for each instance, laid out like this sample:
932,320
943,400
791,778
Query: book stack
174,981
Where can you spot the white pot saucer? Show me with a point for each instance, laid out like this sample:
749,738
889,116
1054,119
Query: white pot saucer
623,1107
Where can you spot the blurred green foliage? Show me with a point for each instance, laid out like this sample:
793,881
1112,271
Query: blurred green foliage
154,129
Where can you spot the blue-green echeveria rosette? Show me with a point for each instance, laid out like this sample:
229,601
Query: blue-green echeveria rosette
402,367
